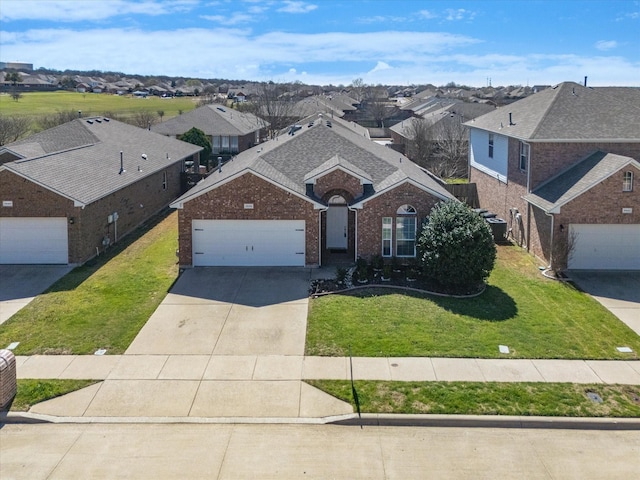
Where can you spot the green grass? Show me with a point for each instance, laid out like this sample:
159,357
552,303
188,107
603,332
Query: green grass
103,305
46,103
32,391
475,398
534,316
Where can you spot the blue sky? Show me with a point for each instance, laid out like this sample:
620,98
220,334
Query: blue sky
400,42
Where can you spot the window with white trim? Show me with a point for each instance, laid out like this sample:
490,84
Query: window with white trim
627,181
524,156
406,231
387,236
164,180
491,145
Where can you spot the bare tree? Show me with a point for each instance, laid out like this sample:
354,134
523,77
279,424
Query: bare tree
420,146
49,121
13,128
274,104
452,148
358,88
142,119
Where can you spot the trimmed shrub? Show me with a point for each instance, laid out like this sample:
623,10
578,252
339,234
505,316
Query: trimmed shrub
456,248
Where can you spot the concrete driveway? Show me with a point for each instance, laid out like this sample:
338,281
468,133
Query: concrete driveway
618,291
19,284
230,311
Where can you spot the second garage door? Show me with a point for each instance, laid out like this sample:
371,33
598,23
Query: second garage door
605,247
248,243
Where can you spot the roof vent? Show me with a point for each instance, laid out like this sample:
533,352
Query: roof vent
98,120
221,109
144,155
511,119
105,119
329,124
122,170
90,122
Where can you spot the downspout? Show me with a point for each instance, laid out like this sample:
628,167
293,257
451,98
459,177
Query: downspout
320,234
528,191
551,239
355,240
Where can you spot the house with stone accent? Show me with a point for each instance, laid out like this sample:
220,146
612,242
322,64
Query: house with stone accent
229,130
562,168
70,192
320,191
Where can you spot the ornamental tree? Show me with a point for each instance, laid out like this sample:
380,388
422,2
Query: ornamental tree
198,137
456,247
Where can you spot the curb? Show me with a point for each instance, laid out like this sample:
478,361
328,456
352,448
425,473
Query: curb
366,420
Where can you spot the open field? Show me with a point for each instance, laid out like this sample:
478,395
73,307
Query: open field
534,316
47,103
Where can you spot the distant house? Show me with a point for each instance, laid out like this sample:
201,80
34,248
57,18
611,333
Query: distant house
562,168
229,130
71,191
322,190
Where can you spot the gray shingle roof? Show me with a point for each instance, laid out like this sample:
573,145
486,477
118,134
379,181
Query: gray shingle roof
289,159
81,160
212,120
568,111
577,179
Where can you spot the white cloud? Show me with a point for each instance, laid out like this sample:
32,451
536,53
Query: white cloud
605,45
234,19
459,14
381,66
86,10
292,6
426,14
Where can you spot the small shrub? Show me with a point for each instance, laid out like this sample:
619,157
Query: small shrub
341,275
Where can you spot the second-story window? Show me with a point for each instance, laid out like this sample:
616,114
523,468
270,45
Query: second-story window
627,182
524,156
491,145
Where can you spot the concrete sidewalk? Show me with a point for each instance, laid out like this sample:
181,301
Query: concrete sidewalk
292,367
271,387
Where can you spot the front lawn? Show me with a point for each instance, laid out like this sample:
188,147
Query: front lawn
488,398
31,391
103,305
532,315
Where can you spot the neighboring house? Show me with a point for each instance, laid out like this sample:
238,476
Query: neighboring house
229,130
69,192
561,166
323,190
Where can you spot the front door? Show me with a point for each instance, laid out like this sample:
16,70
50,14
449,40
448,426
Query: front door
337,216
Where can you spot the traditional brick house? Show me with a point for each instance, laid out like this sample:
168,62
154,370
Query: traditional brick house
71,191
229,130
561,166
321,191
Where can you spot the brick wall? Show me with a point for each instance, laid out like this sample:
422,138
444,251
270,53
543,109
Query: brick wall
347,183
87,227
269,203
370,217
551,158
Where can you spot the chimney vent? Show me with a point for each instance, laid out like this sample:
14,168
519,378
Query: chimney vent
585,80
511,119
122,170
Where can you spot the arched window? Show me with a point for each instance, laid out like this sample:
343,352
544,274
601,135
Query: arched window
406,231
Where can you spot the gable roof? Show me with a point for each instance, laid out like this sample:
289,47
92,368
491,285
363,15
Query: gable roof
577,179
212,120
80,160
568,112
290,161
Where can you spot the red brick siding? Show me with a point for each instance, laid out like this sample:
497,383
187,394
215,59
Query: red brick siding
370,217
341,179
269,203
90,224
551,158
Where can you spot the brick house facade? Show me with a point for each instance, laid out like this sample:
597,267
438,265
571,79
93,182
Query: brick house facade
82,185
329,178
556,163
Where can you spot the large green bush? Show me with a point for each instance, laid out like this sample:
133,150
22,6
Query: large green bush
456,247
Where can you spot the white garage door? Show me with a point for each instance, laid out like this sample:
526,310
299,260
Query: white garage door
605,247
248,243
33,241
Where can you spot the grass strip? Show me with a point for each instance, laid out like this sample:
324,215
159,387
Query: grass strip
490,398
102,305
32,391
534,316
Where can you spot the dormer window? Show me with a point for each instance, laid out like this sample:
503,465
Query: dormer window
627,181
